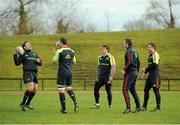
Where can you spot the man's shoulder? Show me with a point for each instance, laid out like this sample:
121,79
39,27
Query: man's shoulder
155,53
110,56
64,49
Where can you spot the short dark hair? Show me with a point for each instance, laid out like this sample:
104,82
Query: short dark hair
106,46
63,40
152,45
23,45
129,42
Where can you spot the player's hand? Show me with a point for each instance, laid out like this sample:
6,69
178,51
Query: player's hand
123,72
143,75
38,60
143,70
110,79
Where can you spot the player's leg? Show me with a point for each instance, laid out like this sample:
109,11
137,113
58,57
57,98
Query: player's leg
26,95
35,88
71,92
135,95
27,77
146,93
125,89
62,99
109,94
61,88
97,86
156,87
32,94
73,97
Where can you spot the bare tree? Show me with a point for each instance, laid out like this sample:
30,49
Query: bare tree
68,17
161,11
82,23
63,13
16,18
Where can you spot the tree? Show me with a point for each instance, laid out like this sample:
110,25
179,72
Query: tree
16,18
63,13
161,11
68,17
82,23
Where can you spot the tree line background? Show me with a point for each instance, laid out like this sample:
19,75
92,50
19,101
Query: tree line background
30,17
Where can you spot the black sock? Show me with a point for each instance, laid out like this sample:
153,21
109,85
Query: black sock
62,100
72,95
30,98
26,96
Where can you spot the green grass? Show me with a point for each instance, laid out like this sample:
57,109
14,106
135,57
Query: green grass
47,109
88,47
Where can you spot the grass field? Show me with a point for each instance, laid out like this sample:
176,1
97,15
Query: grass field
47,109
88,47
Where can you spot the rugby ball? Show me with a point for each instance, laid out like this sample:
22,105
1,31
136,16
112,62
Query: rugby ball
57,43
19,50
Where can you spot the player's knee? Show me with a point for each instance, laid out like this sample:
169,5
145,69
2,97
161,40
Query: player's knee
68,88
108,91
124,90
96,88
156,90
61,90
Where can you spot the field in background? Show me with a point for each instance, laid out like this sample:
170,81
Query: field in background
46,111
88,47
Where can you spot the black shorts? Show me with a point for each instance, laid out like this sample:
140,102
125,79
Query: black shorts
152,82
64,81
30,76
102,82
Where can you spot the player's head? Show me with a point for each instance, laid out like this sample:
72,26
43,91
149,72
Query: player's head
63,41
105,49
27,45
127,43
151,47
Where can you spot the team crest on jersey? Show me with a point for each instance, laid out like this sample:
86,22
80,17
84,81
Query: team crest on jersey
26,55
68,57
107,58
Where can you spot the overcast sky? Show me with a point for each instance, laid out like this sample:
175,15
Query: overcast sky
119,11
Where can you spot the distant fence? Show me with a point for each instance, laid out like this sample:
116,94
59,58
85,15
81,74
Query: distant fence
84,83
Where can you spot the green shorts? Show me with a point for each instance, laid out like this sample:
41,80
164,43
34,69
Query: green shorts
30,76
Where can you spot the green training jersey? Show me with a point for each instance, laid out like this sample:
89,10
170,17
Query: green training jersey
28,60
153,64
65,57
105,62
